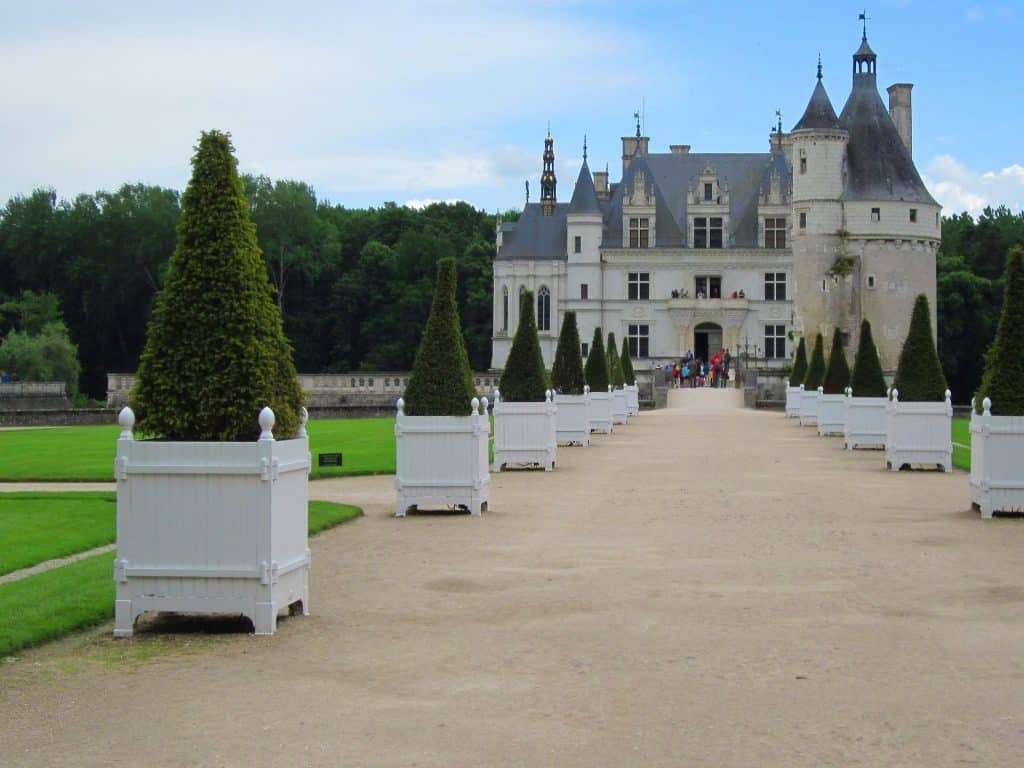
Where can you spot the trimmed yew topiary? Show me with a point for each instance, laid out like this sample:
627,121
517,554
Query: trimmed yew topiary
799,365
441,382
567,372
524,379
837,375
615,377
867,379
1003,380
597,364
816,370
628,374
919,377
215,351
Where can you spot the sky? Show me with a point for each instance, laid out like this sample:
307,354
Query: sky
419,101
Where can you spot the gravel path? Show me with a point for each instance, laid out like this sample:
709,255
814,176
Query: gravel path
709,586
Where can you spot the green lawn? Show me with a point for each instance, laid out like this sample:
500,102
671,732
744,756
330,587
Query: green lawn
58,602
35,527
962,435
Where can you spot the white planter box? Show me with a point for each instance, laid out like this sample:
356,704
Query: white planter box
865,422
601,412
632,399
441,461
997,462
918,433
572,420
211,527
524,433
831,414
808,407
619,413
792,402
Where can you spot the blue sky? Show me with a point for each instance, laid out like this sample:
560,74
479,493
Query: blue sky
414,101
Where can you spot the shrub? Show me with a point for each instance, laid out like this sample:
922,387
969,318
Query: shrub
524,379
48,355
615,376
816,370
919,376
1003,379
215,350
867,379
628,374
837,375
441,382
799,365
597,364
567,372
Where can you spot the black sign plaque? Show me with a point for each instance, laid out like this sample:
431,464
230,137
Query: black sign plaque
329,459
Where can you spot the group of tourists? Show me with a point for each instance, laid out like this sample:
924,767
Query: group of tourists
694,372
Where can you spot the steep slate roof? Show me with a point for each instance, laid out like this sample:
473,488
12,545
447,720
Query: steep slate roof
584,196
535,236
819,114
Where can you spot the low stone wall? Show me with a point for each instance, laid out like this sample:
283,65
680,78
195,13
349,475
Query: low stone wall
59,417
33,396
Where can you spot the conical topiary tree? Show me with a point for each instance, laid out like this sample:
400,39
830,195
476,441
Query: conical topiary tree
215,351
816,370
799,365
567,372
441,382
628,374
837,375
615,377
867,379
524,379
919,377
1003,379
596,370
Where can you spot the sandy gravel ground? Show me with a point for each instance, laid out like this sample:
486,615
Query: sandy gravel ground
707,587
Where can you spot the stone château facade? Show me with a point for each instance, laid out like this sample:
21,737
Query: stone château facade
695,251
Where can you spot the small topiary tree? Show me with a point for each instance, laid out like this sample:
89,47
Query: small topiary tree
441,382
524,379
867,379
628,374
597,365
816,370
615,377
215,351
1003,379
837,375
799,365
919,377
567,372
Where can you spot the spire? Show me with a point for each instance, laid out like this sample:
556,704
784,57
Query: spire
584,148
864,58
547,178
819,115
584,196
819,66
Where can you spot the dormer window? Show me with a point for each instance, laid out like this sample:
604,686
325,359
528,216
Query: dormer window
639,232
709,192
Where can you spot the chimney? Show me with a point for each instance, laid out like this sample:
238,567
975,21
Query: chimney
679,149
900,112
601,184
633,145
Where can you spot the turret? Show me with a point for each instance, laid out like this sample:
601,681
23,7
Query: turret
584,218
819,149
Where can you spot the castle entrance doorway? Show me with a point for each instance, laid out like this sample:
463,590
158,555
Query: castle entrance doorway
707,339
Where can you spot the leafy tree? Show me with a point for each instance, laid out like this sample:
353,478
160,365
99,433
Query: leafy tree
919,375
799,373
614,363
816,370
31,313
215,350
628,374
596,369
524,379
45,356
867,379
1003,381
837,375
567,371
441,383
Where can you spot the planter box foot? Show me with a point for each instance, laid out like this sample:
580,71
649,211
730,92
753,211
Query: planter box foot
264,619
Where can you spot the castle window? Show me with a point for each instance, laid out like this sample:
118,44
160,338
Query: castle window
504,309
871,282
544,309
803,165
638,339
708,287
707,232
775,233
775,342
584,348
876,214
584,291
708,192
774,286
936,218
639,286
913,215
577,244
639,232
803,220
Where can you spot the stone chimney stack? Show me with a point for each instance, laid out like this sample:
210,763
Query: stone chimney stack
601,184
679,149
901,114
633,145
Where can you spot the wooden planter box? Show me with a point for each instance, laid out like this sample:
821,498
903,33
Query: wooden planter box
792,402
997,462
808,408
632,399
601,411
865,421
620,415
831,414
572,419
918,434
211,527
441,461
525,433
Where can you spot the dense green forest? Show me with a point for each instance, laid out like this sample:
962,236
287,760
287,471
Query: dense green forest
354,285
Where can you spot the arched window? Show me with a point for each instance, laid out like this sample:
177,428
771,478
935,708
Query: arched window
504,309
544,309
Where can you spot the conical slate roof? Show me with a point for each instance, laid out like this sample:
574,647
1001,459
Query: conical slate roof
584,196
819,114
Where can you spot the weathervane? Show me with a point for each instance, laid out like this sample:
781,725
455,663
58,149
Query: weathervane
527,191
636,115
864,18
778,115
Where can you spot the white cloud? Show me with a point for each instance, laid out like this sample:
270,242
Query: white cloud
959,188
419,205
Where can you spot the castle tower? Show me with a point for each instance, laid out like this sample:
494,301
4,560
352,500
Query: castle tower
584,228
547,178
